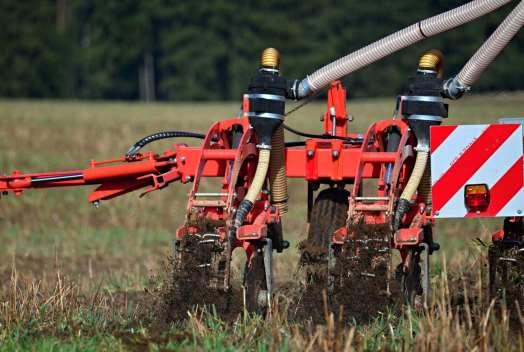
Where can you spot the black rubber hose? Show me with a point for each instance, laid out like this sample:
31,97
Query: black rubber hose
131,152
295,144
322,136
303,143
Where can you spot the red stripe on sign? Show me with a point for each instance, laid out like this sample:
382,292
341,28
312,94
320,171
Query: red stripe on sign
439,134
469,162
505,189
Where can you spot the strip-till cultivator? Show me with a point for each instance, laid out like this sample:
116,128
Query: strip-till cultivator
368,193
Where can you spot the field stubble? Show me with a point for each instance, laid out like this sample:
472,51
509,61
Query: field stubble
77,278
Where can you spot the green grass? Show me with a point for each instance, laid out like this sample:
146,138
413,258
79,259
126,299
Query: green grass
85,270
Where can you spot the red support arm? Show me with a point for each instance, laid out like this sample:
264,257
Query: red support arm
115,177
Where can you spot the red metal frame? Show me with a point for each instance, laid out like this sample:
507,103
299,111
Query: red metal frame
320,160
336,117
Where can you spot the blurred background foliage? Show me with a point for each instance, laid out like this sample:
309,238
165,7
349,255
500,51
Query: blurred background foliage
207,50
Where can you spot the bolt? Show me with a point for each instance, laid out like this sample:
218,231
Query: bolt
335,153
350,117
310,153
183,159
188,178
96,204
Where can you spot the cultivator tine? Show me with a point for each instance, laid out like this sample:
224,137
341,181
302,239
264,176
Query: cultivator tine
492,262
268,266
424,274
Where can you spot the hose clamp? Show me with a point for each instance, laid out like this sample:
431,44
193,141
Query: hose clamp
422,148
272,70
425,118
425,98
453,89
266,96
304,88
294,89
263,146
266,115
426,71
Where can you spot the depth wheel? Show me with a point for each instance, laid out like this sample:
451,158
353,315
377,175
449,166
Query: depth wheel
329,213
256,296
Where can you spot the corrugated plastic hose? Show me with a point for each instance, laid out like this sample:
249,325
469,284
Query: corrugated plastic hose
424,187
416,175
260,176
474,68
403,205
254,189
396,41
277,171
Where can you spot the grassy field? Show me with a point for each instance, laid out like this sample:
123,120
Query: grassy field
77,278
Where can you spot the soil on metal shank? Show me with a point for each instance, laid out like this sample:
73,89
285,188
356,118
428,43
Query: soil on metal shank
354,297
359,291
185,288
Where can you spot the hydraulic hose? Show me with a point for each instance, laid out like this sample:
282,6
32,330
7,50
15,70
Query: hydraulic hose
131,152
348,140
277,171
471,72
396,41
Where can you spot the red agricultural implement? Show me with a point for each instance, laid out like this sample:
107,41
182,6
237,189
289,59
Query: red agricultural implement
375,191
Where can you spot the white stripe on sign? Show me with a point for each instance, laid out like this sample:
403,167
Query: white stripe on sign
452,148
489,173
515,206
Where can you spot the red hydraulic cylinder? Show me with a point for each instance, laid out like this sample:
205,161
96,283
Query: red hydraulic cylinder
97,174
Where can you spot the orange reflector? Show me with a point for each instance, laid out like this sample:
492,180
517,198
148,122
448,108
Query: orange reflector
476,197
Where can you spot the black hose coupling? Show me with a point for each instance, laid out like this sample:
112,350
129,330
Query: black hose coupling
243,209
403,206
453,89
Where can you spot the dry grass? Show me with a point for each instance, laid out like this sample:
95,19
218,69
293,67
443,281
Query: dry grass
74,278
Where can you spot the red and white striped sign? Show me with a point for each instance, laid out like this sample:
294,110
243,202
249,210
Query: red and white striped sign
477,154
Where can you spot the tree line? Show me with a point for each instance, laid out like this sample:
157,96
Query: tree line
207,50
